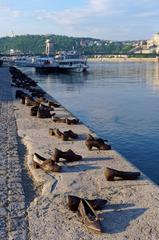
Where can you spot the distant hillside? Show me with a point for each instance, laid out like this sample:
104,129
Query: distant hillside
35,44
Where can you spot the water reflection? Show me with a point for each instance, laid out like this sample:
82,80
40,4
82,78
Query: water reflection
120,102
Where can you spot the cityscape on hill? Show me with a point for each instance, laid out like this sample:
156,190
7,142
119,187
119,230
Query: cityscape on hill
35,44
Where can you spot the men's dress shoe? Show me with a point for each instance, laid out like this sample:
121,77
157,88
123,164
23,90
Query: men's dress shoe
46,164
44,112
69,155
34,110
63,135
99,143
111,174
53,104
59,120
89,217
96,204
72,121
70,134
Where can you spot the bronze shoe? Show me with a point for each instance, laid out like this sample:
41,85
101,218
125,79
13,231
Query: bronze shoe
69,155
22,100
111,174
58,133
55,132
29,101
70,134
44,112
99,143
53,104
59,120
72,121
34,110
89,217
96,204
46,164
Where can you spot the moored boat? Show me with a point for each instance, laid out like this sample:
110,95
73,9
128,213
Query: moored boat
45,64
71,62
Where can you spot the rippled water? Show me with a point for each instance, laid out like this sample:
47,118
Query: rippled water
120,102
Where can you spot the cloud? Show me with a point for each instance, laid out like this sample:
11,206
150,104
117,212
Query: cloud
98,5
73,16
7,11
148,14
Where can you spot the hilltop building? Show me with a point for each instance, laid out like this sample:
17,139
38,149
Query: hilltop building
149,46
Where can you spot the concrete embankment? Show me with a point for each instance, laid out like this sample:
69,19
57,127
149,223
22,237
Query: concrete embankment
132,211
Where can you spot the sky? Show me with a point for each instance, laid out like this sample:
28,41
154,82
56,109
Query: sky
115,20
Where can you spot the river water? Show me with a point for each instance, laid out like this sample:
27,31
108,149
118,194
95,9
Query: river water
120,102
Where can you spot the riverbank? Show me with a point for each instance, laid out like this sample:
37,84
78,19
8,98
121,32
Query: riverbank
132,209
124,59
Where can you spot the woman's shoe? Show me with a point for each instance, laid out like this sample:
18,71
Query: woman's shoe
111,174
46,164
89,217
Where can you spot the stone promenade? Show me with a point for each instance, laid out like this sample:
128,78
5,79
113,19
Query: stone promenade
132,211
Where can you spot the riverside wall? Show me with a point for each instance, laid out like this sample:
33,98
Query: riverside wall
132,211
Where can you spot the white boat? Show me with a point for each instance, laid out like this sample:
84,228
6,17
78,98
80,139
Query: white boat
22,61
45,64
71,62
62,62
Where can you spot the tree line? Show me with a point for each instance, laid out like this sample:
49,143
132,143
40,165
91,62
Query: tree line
35,44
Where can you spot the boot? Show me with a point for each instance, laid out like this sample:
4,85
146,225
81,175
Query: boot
99,143
89,217
111,174
96,204
46,164
69,155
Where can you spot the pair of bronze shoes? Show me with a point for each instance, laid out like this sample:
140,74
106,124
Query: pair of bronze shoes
66,135
113,174
99,143
53,104
69,155
87,209
48,165
69,121
44,112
